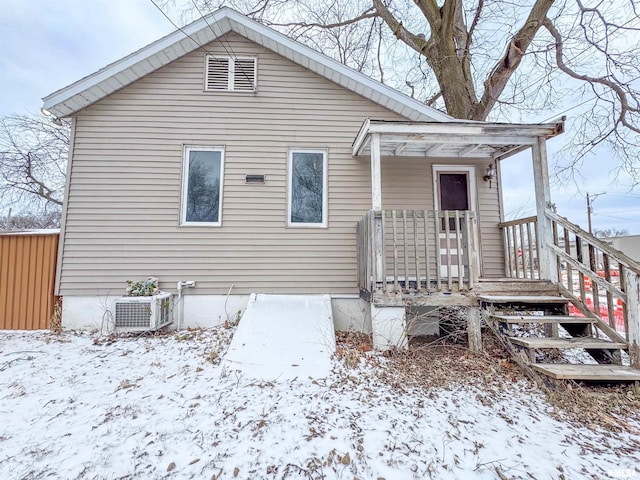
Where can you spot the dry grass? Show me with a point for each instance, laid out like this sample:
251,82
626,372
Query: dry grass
615,407
429,364
55,323
432,364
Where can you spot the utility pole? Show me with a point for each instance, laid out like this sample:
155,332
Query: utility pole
590,201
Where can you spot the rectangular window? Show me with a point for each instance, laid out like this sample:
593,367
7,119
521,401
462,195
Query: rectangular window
307,188
202,186
231,74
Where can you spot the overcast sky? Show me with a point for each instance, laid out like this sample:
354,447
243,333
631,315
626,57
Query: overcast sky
46,45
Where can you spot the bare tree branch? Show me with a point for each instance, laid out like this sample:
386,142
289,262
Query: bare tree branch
625,107
369,13
33,156
481,59
510,61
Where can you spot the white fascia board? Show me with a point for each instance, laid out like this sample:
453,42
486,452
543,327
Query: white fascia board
125,64
458,139
363,134
527,131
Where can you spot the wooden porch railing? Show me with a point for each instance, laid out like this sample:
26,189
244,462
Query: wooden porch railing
413,251
601,282
521,250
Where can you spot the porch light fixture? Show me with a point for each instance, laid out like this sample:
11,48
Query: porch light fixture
490,174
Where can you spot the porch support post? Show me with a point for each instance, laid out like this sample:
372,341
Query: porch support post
543,203
376,176
376,205
633,317
474,328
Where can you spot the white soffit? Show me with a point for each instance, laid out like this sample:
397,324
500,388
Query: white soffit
127,70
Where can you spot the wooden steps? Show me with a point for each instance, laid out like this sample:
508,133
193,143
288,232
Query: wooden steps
516,319
565,343
500,286
528,323
523,299
598,373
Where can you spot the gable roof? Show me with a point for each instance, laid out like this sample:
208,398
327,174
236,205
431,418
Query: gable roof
113,77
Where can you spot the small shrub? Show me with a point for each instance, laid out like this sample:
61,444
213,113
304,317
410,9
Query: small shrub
142,288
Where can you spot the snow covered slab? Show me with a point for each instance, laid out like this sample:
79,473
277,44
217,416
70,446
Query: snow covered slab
284,337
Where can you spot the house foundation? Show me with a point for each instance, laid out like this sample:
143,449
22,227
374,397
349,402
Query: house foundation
389,327
350,313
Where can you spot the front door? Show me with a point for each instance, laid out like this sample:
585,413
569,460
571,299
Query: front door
454,189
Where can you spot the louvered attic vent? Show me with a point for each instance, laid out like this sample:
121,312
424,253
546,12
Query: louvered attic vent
230,74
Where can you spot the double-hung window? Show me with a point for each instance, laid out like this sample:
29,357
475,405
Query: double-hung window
307,188
202,186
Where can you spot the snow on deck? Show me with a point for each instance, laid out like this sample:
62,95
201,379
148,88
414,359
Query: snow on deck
284,337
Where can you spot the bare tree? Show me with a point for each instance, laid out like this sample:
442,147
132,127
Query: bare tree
30,221
485,59
33,158
610,232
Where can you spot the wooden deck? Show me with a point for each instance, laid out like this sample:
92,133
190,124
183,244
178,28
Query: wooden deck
420,258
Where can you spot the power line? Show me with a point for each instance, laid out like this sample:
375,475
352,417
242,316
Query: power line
233,56
221,40
618,218
178,27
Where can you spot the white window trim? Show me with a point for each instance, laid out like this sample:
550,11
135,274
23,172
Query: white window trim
470,170
325,189
185,180
231,73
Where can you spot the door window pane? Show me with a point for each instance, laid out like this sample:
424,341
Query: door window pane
453,191
307,187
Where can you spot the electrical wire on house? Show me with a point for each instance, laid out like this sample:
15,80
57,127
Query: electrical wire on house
228,51
180,28
221,39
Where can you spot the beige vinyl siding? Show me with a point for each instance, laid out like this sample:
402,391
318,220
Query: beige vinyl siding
124,196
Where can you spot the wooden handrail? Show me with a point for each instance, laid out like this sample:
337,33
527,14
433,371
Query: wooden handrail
621,291
620,257
585,271
519,221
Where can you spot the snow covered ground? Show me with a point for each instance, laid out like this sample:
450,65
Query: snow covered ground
166,407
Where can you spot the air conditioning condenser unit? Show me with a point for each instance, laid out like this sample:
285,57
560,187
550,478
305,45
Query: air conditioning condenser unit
141,314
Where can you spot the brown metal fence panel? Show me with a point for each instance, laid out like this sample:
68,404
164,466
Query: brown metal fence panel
27,279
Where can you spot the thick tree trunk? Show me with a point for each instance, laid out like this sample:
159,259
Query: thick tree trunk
447,53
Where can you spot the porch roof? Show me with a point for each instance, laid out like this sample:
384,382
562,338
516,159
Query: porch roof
460,139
